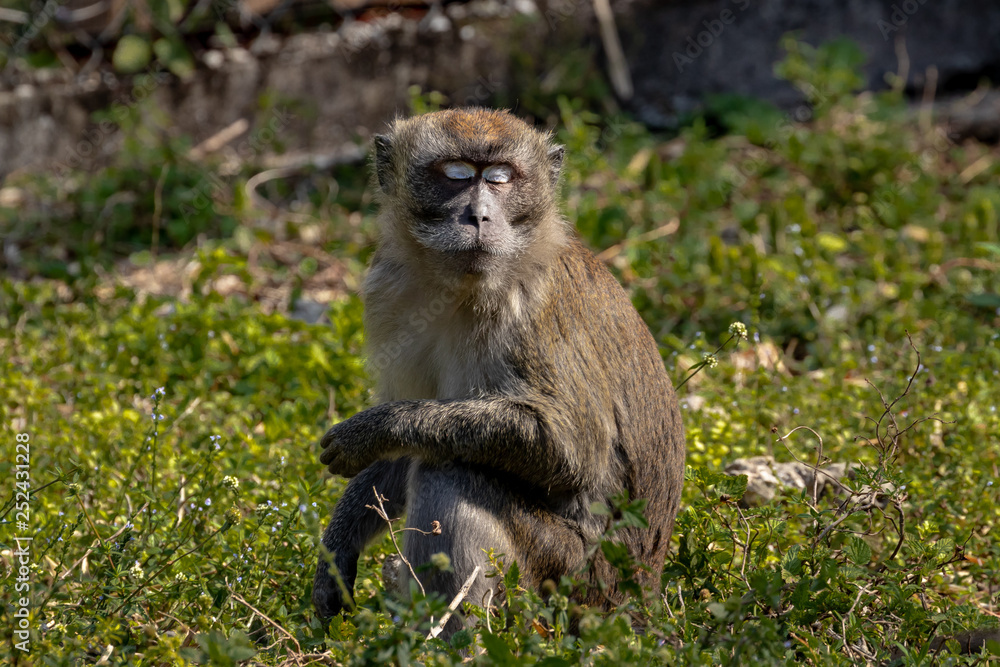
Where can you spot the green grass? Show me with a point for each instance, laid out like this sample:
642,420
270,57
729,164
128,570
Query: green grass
177,496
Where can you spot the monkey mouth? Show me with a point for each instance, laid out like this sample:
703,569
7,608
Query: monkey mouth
475,249
482,249
475,259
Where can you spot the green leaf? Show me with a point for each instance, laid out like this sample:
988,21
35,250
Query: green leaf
718,610
131,55
222,651
616,552
553,661
512,576
175,56
800,596
852,572
944,548
733,486
703,476
992,248
830,242
633,514
498,650
984,300
461,639
791,563
858,550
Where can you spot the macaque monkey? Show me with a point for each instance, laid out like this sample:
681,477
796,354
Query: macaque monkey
517,384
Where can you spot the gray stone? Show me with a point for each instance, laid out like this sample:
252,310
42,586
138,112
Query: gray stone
682,51
765,477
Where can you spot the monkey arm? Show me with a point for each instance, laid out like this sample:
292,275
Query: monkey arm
519,437
353,526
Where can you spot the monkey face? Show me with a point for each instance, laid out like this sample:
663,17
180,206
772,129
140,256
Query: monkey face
468,186
464,213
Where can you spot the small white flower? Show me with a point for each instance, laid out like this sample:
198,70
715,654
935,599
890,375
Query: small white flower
739,330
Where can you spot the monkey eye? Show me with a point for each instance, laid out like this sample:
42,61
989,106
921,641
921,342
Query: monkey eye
458,171
498,173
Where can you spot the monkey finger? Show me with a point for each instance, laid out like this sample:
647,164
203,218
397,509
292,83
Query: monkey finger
335,460
328,455
328,439
340,467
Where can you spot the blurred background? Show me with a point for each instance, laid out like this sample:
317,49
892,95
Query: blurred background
341,68
155,121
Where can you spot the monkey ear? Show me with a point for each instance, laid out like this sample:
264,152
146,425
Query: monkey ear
383,161
556,153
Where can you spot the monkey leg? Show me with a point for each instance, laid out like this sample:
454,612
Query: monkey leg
478,511
352,527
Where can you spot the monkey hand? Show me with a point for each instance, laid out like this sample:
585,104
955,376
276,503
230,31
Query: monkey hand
346,447
328,596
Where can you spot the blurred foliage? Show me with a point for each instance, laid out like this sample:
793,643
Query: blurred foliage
173,438
138,33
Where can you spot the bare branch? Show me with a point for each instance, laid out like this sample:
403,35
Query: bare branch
392,534
436,630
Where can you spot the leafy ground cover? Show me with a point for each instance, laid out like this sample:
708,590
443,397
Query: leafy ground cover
175,493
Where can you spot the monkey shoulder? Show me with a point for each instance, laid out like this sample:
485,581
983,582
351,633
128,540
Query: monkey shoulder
644,403
592,309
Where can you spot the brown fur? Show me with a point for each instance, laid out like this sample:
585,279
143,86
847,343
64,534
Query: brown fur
514,393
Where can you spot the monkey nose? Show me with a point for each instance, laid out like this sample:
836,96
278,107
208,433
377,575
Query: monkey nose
477,218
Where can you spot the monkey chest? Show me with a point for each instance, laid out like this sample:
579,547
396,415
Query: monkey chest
443,367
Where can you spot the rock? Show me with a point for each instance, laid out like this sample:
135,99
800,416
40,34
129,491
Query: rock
393,576
681,52
765,476
308,311
334,86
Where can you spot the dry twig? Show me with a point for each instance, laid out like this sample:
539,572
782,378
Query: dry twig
380,510
436,630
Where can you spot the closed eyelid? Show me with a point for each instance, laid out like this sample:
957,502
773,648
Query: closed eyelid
498,173
458,170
